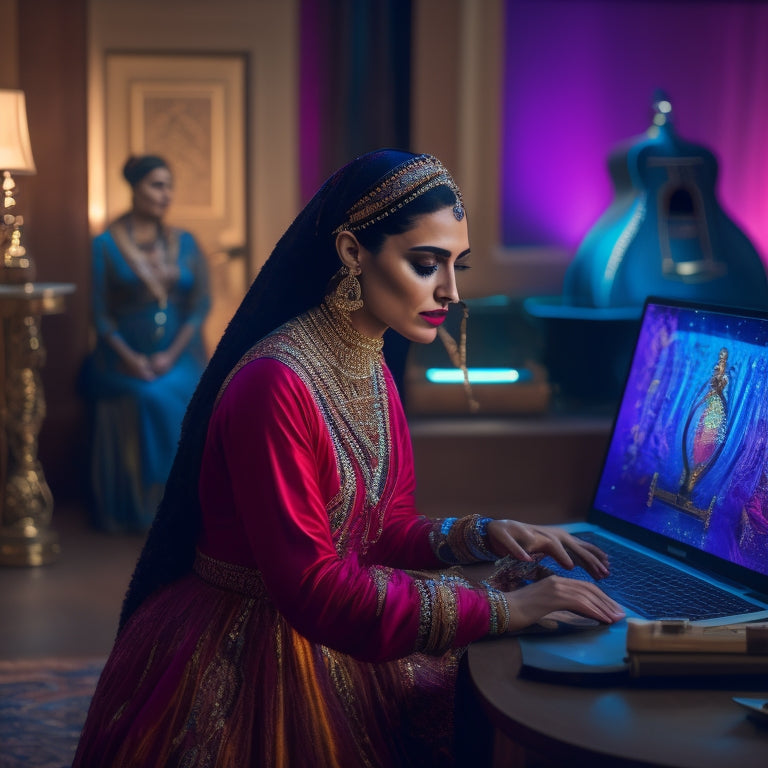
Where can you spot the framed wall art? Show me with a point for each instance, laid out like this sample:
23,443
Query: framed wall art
191,110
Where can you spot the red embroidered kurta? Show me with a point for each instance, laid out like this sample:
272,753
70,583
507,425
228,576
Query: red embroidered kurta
320,627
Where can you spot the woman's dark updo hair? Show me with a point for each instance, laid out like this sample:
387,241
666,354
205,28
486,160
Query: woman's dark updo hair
138,166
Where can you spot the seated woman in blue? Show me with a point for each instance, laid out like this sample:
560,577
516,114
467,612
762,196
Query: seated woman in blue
149,300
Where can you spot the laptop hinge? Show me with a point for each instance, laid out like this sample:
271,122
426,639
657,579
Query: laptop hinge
757,596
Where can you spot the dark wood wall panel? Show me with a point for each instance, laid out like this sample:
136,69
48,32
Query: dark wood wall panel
52,53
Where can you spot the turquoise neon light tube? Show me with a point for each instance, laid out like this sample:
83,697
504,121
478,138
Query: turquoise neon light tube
478,375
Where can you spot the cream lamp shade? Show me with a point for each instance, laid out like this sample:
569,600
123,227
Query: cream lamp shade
15,147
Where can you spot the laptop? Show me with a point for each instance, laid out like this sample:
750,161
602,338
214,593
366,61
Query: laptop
683,490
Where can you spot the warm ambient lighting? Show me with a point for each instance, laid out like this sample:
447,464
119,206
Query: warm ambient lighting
478,375
15,158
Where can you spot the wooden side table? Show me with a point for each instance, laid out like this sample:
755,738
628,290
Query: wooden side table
26,502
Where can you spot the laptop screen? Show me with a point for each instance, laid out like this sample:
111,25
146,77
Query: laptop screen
688,458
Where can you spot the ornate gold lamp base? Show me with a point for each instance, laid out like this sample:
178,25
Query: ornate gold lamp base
32,546
26,502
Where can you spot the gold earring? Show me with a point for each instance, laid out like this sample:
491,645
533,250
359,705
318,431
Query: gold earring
348,296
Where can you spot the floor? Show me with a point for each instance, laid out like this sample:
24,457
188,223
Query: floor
70,607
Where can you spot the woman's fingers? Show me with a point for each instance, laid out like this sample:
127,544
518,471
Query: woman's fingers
589,599
532,602
591,558
554,547
521,541
570,551
549,541
598,605
506,541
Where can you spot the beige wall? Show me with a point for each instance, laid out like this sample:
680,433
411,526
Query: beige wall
457,59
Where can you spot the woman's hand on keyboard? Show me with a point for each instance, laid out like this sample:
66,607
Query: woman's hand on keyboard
522,541
532,602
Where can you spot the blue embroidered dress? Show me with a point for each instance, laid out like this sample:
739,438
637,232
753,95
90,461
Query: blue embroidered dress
136,423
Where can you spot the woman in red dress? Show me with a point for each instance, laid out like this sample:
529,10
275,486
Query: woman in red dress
291,607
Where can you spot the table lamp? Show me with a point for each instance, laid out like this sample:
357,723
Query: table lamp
15,158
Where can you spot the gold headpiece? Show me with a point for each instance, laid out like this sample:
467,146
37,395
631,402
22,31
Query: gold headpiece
403,184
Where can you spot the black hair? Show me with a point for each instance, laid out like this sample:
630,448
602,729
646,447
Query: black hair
138,166
373,236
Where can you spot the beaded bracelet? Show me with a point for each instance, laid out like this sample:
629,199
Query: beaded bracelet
462,540
499,611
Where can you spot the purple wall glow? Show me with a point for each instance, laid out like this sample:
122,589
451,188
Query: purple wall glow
311,100
579,79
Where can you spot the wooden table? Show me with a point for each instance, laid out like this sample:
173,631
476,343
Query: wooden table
615,724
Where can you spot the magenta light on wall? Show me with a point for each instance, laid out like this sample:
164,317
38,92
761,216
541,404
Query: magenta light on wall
579,79
311,100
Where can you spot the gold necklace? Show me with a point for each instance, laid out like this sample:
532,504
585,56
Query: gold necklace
352,352
156,273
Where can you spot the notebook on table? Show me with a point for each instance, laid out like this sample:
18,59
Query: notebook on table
682,496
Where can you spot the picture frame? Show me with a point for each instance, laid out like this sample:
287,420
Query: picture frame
189,109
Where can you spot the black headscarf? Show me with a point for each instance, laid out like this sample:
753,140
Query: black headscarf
137,167
293,280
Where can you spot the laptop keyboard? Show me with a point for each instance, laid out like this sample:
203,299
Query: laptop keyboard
654,589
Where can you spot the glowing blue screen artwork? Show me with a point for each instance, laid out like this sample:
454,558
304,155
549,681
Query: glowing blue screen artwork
689,454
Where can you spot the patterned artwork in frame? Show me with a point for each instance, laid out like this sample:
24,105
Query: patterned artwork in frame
189,109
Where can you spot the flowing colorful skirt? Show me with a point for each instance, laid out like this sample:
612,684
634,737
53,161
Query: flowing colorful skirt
208,673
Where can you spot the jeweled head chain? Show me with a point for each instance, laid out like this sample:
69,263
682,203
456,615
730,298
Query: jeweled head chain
403,184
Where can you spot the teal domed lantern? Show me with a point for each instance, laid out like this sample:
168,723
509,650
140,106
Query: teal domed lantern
664,234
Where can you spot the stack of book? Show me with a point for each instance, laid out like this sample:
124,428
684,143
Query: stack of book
673,647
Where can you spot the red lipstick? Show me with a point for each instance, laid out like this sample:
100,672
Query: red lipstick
435,317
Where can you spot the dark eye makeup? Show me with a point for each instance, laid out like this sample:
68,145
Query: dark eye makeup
430,264
424,270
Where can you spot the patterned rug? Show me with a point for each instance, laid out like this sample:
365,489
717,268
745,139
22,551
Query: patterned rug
43,704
